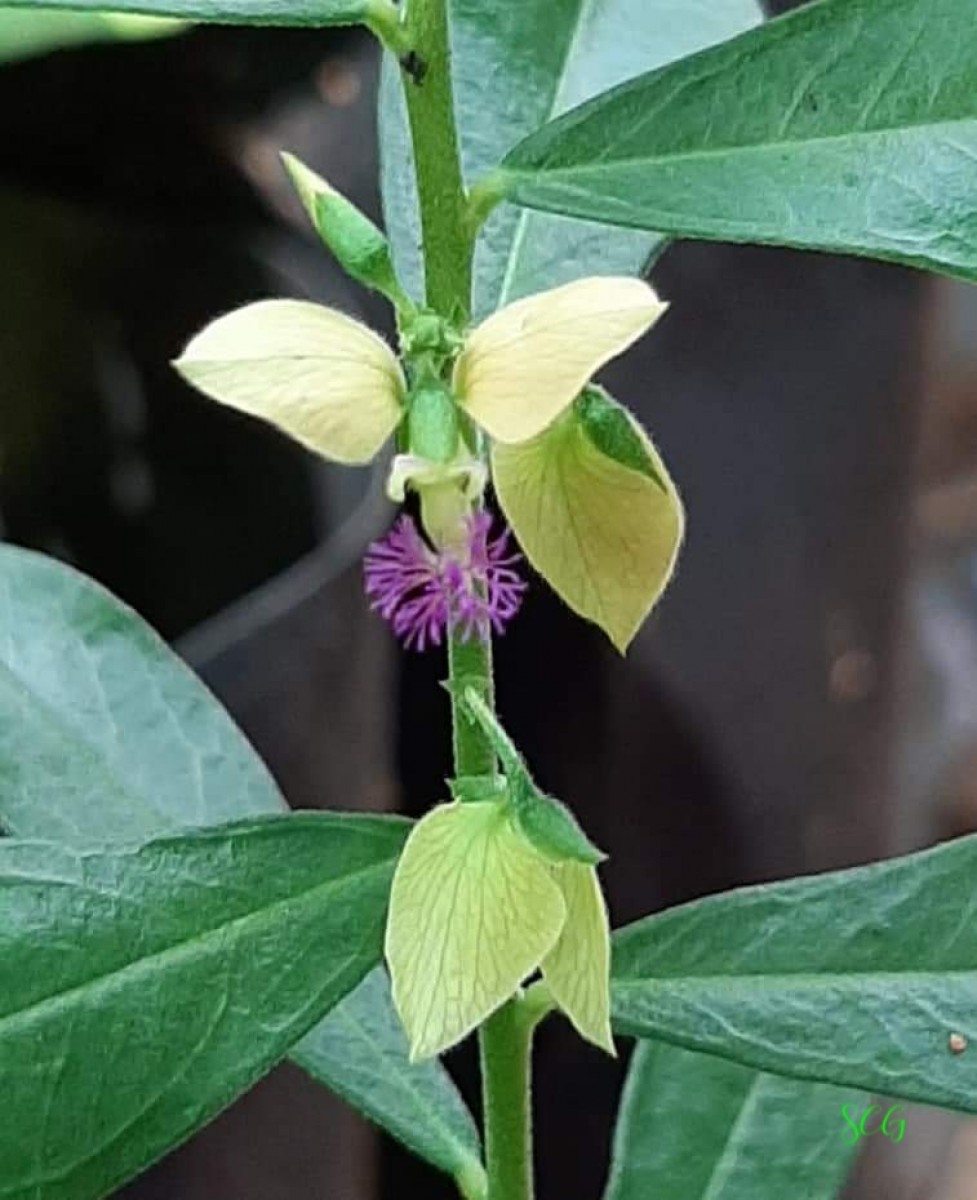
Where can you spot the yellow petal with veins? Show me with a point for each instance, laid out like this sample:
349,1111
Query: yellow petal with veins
320,376
523,366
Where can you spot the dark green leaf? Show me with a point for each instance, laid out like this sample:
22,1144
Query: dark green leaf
105,736
850,125
361,1048
858,977
694,1127
142,989
223,12
517,65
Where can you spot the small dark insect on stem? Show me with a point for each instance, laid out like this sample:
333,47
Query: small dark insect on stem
414,66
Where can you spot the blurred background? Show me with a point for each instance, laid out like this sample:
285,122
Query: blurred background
805,697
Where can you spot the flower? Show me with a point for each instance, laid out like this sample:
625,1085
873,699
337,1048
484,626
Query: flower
469,589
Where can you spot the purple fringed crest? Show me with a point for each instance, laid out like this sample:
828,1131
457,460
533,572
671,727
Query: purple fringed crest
426,593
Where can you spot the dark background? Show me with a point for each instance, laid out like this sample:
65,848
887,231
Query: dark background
779,714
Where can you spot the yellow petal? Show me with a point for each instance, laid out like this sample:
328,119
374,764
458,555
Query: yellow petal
577,969
522,367
322,377
473,910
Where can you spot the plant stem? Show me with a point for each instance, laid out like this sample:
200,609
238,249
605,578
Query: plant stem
430,108
506,1041
447,232
470,665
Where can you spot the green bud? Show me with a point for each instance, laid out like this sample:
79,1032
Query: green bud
432,423
612,431
359,246
426,334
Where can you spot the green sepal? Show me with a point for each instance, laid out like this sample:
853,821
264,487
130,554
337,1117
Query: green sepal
468,789
611,430
548,826
432,423
358,245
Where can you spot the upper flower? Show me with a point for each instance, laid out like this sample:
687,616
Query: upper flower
337,387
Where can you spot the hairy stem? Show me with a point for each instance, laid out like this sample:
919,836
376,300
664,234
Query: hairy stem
430,108
506,1041
447,231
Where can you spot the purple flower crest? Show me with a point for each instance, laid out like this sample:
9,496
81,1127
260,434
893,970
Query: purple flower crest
426,593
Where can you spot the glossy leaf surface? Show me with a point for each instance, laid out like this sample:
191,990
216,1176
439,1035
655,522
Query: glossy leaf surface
850,125
128,743
222,12
142,989
517,65
695,1127
858,977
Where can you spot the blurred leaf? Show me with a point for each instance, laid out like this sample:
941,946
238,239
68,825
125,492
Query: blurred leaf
217,12
105,736
855,977
850,125
24,32
515,66
143,989
603,535
694,1127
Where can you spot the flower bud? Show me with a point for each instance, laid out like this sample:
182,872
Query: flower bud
359,246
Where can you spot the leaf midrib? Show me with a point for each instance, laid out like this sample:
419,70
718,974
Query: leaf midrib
728,150
38,1009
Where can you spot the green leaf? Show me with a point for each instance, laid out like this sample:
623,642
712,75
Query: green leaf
225,12
858,977
362,1050
850,125
694,1127
142,989
603,535
125,742
24,33
611,430
515,66
473,911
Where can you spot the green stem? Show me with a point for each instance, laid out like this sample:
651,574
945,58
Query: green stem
447,229
430,108
506,1042
470,665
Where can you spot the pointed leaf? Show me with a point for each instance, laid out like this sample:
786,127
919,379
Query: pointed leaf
225,12
361,1049
862,139
603,535
551,828
694,1127
576,970
322,377
127,743
142,989
516,66
528,362
472,913
866,978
